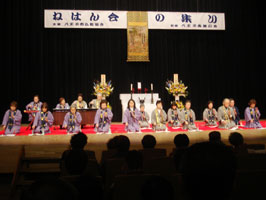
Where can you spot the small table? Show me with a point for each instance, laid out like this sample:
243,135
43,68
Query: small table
86,114
31,112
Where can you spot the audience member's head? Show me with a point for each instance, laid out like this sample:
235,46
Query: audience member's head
78,141
157,188
236,139
112,144
208,171
134,161
148,142
181,141
215,136
123,143
50,190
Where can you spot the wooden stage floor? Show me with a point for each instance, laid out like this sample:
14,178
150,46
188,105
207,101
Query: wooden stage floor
97,143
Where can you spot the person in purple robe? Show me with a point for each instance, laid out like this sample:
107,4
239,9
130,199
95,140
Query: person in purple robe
62,104
43,121
12,120
103,118
131,117
36,104
252,115
72,121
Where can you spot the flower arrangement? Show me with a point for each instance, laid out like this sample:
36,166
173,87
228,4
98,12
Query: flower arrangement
176,89
104,89
180,105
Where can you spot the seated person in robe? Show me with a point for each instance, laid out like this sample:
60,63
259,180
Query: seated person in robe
131,117
43,121
80,103
34,105
158,117
210,115
12,120
236,111
95,103
103,118
188,117
226,115
173,116
144,119
252,115
62,104
72,121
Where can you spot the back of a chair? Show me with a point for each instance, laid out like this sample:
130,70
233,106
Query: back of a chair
50,151
91,155
74,178
148,154
92,168
112,168
251,161
256,146
164,165
249,184
129,186
109,154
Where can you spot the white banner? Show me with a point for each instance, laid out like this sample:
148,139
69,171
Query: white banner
186,20
118,20
85,19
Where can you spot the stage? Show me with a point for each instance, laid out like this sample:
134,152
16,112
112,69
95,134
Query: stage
56,141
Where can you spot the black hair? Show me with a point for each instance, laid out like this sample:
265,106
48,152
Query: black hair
148,141
102,102
181,141
129,102
236,139
159,101
78,141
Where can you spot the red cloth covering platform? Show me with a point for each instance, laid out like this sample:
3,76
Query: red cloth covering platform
119,128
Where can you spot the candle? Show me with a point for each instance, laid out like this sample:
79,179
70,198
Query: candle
103,79
151,87
175,78
139,85
131,87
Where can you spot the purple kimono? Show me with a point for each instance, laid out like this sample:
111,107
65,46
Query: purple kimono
33,106
251,114
133,123
72,122
59,106
103,121
41,124
12,124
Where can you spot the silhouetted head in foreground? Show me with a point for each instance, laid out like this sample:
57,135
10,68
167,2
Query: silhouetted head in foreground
78,141
236,139
50,190
112,144
157,188
148,142
181,141
215,136
122,143
208,171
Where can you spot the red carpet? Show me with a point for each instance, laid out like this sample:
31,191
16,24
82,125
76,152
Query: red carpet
119,128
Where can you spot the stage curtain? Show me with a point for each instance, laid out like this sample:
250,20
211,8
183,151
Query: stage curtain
64,62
